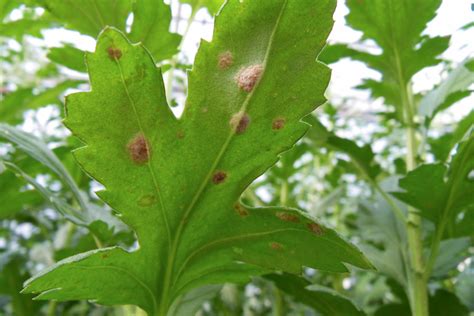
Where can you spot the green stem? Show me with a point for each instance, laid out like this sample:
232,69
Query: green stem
417,285
277,302
52,308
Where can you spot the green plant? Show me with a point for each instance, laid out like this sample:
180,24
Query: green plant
182,225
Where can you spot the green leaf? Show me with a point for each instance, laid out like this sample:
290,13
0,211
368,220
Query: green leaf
384,236
464,286
13,195
361,157
177,183
451,253
324,300
444,303
14,104
151,21
453,88
396,27
88,213
68,56
442,146
449,191
211,5
150,26
12,276
90,16
191,302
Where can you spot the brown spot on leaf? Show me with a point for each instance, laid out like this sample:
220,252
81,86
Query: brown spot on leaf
248,77
241,210
219,177
105,255
226,60
114,53
180,134
278,123
315,228
276,246
287,217
139,149
239,122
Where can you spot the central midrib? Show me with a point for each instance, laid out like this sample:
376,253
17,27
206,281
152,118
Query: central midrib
170,265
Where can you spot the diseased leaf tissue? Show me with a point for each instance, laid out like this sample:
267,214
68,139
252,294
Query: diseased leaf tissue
177,182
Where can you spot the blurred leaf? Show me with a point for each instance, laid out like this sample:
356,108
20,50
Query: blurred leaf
35,148
453,88
13,195
361,157
444,303
384,235
190,303
451,253
6,6
324,300
14,104
449,191
19,28
68,56
442,146
12,277
90,16
464,286
211,5
396,27
151,23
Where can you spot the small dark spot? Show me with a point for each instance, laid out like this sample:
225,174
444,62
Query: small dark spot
315,228
114,53
287,217
241,210
276,246
105,255
219,177
226,60
139,149
248,77
239,122
147,200
278,123
180,134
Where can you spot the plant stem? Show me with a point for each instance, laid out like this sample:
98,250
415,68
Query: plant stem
52,308
277,302
416,280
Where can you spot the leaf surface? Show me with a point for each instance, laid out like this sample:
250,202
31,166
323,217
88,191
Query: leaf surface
325,301
177,183
449,192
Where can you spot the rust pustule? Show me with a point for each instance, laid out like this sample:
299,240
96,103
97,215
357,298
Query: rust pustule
225,60
139,149
239,122
241,210
276,246
278,123
219,177
287,217
315,228
114,53
248,77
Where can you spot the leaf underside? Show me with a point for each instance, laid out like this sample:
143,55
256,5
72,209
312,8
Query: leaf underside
177,182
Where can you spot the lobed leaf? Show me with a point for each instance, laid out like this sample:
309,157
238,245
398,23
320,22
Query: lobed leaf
177,182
